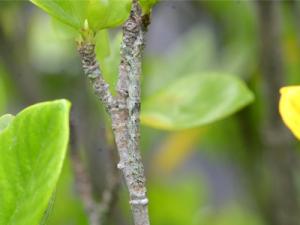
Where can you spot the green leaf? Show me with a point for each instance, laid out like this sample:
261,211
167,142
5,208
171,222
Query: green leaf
147,5
62,31
108,54
32,149
102,45
5,121
70,12
44,40
100,14
104,14
195,100
170,206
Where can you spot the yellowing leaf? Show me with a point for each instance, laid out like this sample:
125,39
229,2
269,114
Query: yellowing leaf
176,149
289,108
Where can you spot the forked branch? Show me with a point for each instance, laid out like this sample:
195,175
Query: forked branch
124,108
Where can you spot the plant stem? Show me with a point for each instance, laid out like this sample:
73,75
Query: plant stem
124,109
91,68
130,70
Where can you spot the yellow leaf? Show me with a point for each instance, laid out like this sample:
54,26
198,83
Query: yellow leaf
289,108
177,147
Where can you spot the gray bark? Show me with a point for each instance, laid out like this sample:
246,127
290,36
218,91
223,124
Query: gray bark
124,108
130,69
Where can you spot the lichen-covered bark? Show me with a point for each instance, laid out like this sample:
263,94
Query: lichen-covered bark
130,70
92,70
124,108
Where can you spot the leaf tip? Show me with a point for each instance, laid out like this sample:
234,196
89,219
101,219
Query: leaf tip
64,103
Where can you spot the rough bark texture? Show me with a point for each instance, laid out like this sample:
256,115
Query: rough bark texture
124,109
278,145
130,69
92,70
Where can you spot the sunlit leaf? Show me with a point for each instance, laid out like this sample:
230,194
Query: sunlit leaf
195,100
107,13
69,12
32,149
289,108
100,14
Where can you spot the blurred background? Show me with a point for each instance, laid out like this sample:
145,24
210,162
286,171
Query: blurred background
241,170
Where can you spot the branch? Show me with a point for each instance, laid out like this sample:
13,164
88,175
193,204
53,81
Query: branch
124,109
129,83
110,194
92,70
98,212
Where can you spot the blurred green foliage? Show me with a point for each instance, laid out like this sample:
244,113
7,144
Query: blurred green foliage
225,152
67,208
98,14
232,214
195,100
167,210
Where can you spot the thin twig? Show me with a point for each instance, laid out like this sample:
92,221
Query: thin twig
92,70
84,186
110,194
97,212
